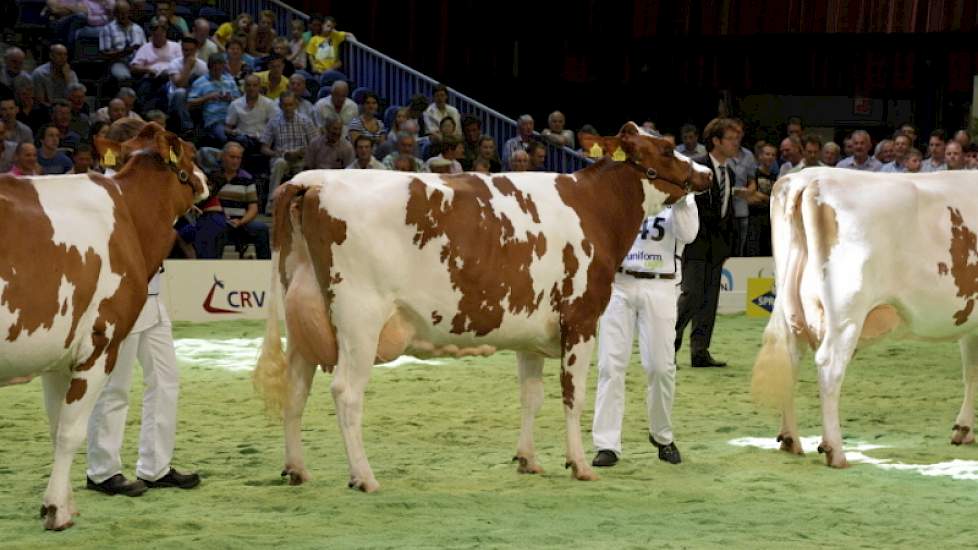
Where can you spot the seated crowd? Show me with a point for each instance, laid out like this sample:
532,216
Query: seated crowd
261,107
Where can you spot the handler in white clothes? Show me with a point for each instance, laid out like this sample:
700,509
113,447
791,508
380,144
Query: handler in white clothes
644,295
151,340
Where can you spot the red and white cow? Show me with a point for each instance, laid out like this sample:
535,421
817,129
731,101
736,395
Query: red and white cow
859,256
73,278
376,264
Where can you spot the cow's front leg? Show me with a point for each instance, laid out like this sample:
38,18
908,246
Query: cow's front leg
69,398
531,397
298,380
831,358
964,425
573,383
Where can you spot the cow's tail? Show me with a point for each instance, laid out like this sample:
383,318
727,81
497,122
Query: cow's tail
270,375
774,372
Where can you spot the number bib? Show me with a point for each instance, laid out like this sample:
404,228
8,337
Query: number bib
654,249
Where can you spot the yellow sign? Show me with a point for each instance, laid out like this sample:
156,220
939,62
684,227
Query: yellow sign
109,158
596,151
760,296
619,155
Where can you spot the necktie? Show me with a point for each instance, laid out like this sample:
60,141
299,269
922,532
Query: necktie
723,189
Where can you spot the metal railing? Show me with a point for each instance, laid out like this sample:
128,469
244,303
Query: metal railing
396,82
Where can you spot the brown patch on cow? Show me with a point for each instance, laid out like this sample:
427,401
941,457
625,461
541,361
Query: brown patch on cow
571,360
880,321
570,270
526,204
964,245
486,260
436,318
76,390
289,200
586,247
321,231
336,279
607,197
567,387
942,268
828,229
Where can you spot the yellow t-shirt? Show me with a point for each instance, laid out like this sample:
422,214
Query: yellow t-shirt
323,53
223,33
283,84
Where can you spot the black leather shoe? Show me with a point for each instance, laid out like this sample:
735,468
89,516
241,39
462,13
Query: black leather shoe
667,453
117,485
605,459
174,478
705,360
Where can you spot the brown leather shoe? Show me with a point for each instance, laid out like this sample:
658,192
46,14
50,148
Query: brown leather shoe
117,485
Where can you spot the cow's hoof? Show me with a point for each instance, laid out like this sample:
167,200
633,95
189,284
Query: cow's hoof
55,519
790,445
526,466
296,476
962,435
581,472
833,458
366,486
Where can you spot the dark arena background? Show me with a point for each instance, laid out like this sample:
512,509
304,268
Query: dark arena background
810,93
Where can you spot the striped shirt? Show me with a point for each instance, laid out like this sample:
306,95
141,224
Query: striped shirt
113,37
235,195
289,135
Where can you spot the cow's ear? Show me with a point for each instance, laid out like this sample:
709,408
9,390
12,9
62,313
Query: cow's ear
169,147
598,146
109,151
150,130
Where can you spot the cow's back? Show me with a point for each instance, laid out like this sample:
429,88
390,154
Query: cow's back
54,270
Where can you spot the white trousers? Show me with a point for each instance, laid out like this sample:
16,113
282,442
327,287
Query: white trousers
649,305
151,340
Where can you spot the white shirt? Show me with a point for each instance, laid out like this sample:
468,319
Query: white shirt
346,113
374,164
156,59
175,67
432,118
251,122
661,240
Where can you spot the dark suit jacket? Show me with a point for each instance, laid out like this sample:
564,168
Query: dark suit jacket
713,242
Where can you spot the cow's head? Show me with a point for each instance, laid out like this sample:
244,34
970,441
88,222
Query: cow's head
166,148
670,172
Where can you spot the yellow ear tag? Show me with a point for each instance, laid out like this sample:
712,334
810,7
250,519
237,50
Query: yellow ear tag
596,151
619,155
173,156
109,158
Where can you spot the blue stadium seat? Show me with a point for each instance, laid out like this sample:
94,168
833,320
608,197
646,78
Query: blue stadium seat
214,15
331,76
358,94
323,92
389,115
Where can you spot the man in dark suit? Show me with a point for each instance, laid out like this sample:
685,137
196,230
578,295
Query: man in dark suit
703,258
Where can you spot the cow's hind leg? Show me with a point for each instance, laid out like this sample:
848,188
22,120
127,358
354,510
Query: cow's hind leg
69,398
531,397
832,358
298,382
964,426
789,437
573,382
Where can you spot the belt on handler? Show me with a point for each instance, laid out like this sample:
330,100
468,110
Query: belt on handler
646,275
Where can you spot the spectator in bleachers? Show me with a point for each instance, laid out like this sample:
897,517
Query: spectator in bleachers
671,138
61,117
794,127
80,111
150,62
366,123
524,135
744,167
14,130
649,127
329,150
363,149
430,144
811,152
915,161
13,67
404,164
82,159
273,81
452,149
285,140
954,156
238,196
556,133
471,132
790,154
7,149
280,48
237,64
297,85
115,110
261,34
339,104
213,93
884,151
66,16
690,146
249,115
52,160
119,40
830,153
860,159
323,49
935,147
911,132
297,44
183,71
177,26
30,112
25,161
519,161
206,46
416,107
901,149
98,14
488,153
241,24
438,110
51,79
538,156
847,146
971,156
100,129
481,166
157,116
315,26
963,138
759,203
406,142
